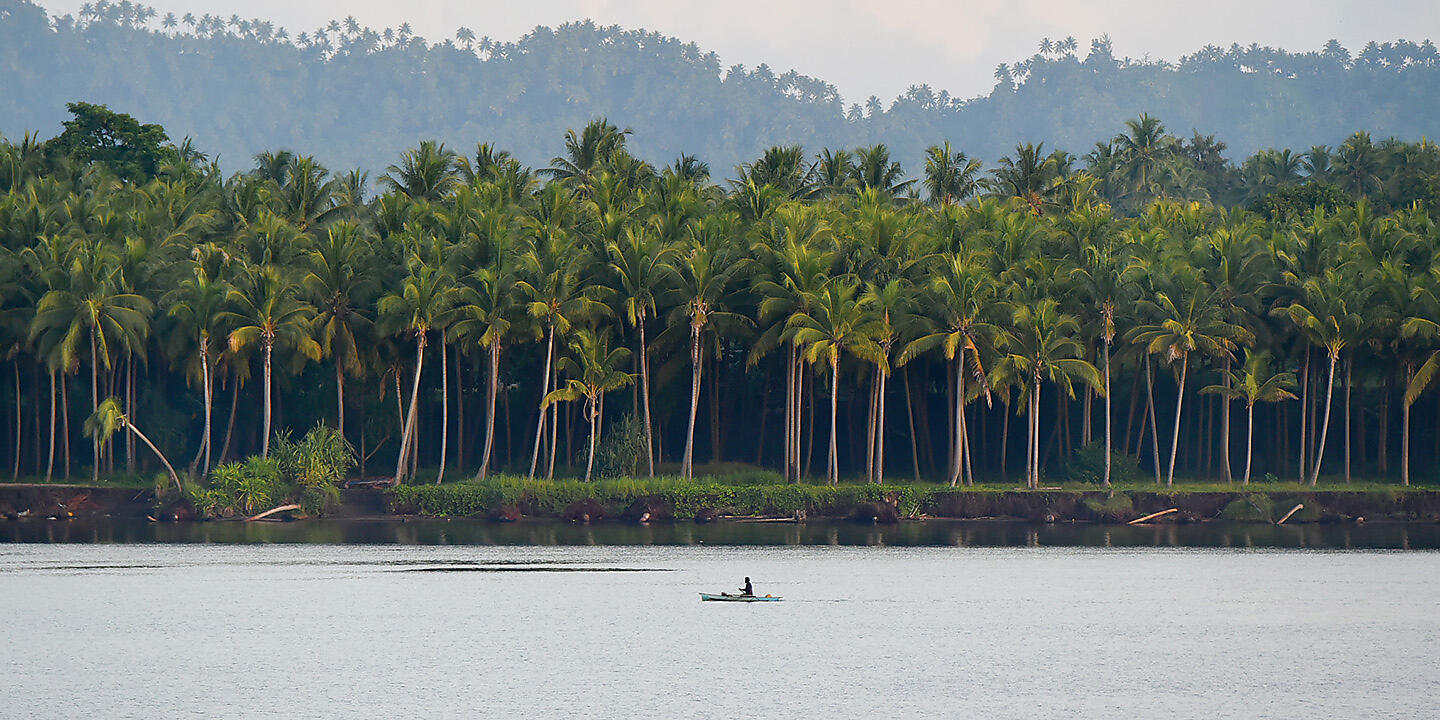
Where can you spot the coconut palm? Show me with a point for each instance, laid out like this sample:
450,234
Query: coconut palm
198,306
950,176
268,312
426,172
1331,315
594,371
488,314
640,262
340,284
839,322
1254,382
426,296
108,418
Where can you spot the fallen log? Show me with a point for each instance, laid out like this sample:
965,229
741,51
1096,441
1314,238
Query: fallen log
272,511
1152,516
1293,510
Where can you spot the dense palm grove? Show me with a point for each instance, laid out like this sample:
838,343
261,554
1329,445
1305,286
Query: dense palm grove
355,96
820,314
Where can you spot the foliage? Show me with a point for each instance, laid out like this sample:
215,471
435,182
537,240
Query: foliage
622,449
1294,201
96,134
305,472
1087,465
1250,508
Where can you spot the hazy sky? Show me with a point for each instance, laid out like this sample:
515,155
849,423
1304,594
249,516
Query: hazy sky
882,46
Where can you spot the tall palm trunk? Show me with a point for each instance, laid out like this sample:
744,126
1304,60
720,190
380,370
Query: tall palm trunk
1154,425
1405,428
207,392
592,413
544,390
408,436
880,431
1179,401
265,429
1304,404
339,397
959,423
910,418
490,413
1033,451
834,412
50,455
870,429
645,399
1225,426
1105,350
1325,423
1349,367
230,424
444,409
1249,439
15,473
687,461
95,396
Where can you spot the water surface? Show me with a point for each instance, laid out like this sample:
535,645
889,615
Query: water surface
273,627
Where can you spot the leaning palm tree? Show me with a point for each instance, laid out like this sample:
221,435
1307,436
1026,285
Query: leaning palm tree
269,313
108,418
839,322
1044,347
594,371
1254,382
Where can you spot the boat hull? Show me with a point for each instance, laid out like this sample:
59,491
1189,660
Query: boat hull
723,597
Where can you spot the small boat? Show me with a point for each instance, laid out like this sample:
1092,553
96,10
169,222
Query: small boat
727,597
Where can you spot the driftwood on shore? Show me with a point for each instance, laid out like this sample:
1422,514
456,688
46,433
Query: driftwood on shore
1293,510
1152,516
272,511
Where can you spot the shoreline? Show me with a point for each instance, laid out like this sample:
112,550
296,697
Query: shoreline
702,503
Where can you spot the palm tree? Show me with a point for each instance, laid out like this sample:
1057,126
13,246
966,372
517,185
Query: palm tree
1195,324
892,305
640,262
340,285
268,312
701,283
1254,383
93,307
426,295
1330,315
108,418
950,176
957,318
839,322
597,367
487,313
198,305
426,172
1043,347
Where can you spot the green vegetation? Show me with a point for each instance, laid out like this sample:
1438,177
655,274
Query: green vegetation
304,473
370,92
811,317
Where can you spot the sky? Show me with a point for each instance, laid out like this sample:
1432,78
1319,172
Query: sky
880,47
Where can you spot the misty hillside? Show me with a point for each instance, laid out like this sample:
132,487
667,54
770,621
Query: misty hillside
357,96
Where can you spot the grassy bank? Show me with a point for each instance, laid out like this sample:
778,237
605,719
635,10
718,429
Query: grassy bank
662,498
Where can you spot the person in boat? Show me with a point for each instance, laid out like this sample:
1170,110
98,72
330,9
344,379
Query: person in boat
748,590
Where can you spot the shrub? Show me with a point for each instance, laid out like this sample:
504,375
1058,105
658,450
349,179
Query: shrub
303,472
622,449
1250,508
1116,506
1087,465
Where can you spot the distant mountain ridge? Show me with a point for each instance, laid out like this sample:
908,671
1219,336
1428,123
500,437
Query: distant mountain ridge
357,97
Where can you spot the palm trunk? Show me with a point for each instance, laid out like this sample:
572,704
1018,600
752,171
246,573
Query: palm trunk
910,418
591,413
1179,402
265,428
1405,428
880,432
688,460
1225,426
19,439
50,455
834,412
173,477
958,451
339,397
203,451
1249,439
444,409
95,396
789,443
129,410
1304,404
1325,423
544,390
1106,361
230,424
645,399
490,414
1034,459
1349,367
1150,410
870,429
408,434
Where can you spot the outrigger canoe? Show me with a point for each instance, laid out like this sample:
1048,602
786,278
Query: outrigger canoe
727,597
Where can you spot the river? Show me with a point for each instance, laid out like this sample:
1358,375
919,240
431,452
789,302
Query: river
472,619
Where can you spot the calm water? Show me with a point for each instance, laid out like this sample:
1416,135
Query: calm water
471,619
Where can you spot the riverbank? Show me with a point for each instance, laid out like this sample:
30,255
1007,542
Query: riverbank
661,500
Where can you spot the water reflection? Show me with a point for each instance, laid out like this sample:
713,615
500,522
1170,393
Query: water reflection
1398,536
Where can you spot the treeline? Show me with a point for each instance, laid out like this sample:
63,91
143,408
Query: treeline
354,96
818,314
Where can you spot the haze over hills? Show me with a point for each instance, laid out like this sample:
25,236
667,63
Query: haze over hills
356,97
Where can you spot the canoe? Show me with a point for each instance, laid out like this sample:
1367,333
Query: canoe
725,597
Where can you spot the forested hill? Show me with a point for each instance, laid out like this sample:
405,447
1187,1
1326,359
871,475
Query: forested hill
356,96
